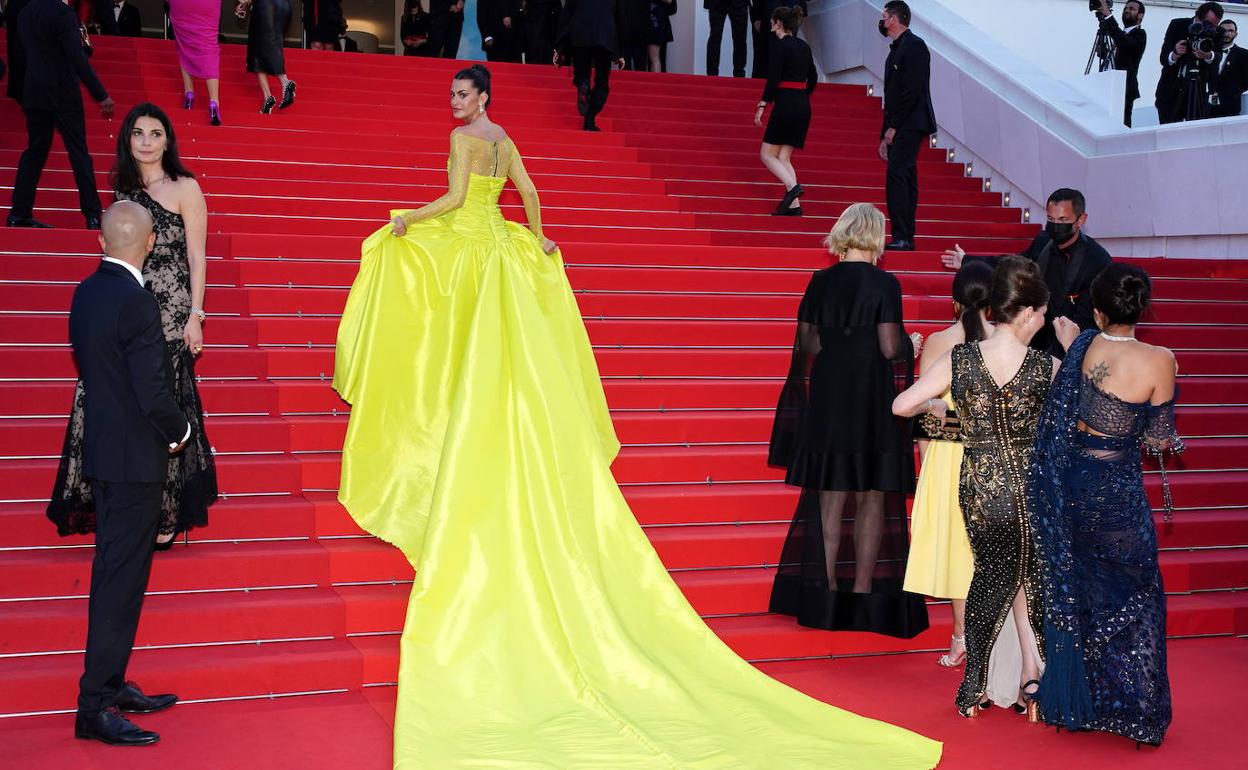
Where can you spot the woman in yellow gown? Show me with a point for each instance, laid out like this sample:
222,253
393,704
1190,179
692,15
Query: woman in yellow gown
940,562
542,629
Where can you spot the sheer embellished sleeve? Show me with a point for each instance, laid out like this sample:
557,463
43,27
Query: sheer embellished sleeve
458,168
528,193
1162,438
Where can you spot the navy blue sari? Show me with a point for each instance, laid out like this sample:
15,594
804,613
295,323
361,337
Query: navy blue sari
1105,609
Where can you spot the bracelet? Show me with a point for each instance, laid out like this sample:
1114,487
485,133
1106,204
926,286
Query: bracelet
199,312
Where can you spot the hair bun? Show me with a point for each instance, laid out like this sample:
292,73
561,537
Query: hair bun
1122,292
1016,285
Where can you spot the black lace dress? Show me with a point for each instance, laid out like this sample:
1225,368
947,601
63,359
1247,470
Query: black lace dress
835,432
998,438
1105,624
191,485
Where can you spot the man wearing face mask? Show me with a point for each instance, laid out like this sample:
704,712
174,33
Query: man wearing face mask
1232,77
1068,258
1129,41
908,120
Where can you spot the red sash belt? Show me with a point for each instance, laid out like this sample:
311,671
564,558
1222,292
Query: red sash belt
791,84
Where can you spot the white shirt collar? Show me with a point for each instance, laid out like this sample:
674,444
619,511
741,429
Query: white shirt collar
138,274
1133,26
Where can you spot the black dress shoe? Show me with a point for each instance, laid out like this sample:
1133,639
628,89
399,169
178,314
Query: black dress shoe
133,700
590,125
93,223
899,245
25,222
109,726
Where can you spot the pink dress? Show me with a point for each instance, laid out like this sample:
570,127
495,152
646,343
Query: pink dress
196,24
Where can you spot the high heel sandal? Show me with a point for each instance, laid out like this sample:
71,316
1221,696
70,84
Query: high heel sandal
269,104
791,211
188,100
971,712
214,114
953,661
288,95
1030,706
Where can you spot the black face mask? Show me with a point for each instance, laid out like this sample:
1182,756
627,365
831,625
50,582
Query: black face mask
1060,232
883,29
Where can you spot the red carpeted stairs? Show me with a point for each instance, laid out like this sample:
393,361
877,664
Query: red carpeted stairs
688,288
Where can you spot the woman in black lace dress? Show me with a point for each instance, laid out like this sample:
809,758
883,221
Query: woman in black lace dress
1105,620
999,386
148,171
844,560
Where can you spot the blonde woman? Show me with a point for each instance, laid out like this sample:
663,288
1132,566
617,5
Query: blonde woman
844,561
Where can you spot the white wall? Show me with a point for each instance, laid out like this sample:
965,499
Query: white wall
1031,126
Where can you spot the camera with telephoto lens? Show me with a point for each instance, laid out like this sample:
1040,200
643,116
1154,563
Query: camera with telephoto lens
1204,37
1095,5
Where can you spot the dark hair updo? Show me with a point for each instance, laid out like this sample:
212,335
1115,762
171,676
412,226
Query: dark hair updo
971,289
125,176
479,76
1122,293
789,18
1016,284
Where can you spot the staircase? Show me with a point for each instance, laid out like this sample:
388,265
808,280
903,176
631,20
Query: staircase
688,287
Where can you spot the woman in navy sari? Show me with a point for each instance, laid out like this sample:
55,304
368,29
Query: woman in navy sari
1105,610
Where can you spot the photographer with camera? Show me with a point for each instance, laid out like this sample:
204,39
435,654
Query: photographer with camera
1232,78
1188,65
1128,42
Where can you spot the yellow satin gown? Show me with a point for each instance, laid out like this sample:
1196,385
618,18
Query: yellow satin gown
542,629
941,564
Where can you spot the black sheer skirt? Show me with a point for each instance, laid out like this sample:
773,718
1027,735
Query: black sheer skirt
190,484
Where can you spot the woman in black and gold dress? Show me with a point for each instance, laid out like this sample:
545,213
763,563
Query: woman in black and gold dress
790,81
149,172
844,560
999,386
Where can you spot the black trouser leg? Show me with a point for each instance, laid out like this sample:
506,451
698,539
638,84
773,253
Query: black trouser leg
714,40
759,69
73,129
39,125
740,20
601,62
454,28
1126,113
902,185
437,33
126,519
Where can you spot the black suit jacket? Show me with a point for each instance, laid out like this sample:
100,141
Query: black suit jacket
130,417
17,56
490,15
907,87
1130,51
1231,82
1069,283
129,23
53,59
1169,84
592,24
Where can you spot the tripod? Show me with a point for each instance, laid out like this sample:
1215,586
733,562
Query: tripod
1105,49
1196,105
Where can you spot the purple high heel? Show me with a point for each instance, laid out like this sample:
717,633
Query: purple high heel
188,101
214,113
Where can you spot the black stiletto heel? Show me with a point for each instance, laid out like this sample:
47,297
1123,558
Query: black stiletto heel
790,195
288,95
269,104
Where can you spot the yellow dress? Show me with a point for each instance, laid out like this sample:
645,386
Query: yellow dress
542,629
941,564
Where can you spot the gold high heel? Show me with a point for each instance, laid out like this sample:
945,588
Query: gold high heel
1030,706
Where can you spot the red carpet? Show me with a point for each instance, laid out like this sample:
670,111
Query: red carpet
688,288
